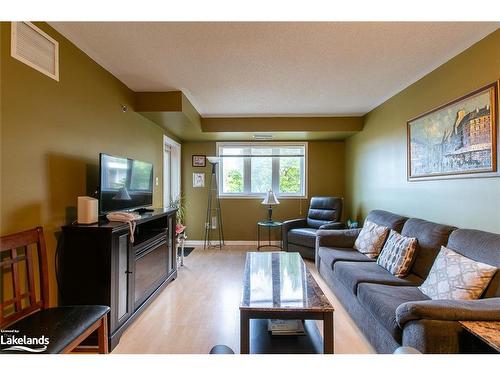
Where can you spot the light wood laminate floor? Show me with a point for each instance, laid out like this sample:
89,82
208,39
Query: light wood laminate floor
200,309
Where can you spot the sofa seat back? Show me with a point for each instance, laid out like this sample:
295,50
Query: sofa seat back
387,219
482,247
430,236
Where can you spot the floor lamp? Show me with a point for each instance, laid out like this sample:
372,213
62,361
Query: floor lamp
213,220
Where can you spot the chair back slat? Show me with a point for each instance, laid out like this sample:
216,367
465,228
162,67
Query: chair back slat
13,300
11,247
31,275
44,268
10,261
16,280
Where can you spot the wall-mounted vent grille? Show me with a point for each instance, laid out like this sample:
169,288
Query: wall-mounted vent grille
263,137
35,48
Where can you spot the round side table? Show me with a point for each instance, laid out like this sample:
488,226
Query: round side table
269,225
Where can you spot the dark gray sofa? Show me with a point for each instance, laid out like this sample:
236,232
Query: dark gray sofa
392,312
299,235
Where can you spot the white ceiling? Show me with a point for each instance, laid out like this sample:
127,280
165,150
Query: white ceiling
274,68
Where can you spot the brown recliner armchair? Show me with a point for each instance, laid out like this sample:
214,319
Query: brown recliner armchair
299,235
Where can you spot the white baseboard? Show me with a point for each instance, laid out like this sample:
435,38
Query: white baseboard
193,243
231,243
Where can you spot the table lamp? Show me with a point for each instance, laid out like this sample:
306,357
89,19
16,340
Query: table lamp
270,200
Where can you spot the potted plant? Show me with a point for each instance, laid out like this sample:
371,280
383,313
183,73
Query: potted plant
179,204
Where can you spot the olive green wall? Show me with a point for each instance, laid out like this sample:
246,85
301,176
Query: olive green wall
326,163
376,157
52,133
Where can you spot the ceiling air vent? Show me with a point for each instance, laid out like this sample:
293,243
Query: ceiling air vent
263,137
35,48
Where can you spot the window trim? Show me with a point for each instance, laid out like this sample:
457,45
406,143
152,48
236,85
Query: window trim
247,195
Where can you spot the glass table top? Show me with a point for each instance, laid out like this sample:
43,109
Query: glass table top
268,223
280,281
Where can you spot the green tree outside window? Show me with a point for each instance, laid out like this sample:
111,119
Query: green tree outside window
234,181
289,175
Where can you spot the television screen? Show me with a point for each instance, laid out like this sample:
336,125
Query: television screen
124,184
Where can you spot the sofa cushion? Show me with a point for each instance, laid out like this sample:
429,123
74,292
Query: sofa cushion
351,274
430,237
454,276
383,300
330,255
387,219
398,254
371,239
303,236
480,246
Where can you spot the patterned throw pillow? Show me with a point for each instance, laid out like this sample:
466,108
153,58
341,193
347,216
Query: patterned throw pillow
453,276
371,239
397,254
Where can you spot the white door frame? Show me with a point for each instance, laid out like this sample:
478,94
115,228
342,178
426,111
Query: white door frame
171,170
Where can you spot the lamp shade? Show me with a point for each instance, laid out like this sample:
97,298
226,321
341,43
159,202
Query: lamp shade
213,159
270,199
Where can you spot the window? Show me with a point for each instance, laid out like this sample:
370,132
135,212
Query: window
251,169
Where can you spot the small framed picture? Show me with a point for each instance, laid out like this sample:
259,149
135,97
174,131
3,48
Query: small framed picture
199,160
198,180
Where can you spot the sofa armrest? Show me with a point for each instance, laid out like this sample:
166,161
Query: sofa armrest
480,309
295,223
288,225
337,238
333,225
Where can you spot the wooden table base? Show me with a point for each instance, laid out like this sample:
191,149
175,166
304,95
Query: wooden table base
326,317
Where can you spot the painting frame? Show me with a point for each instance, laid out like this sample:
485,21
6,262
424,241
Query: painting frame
199,161
492,171
198,179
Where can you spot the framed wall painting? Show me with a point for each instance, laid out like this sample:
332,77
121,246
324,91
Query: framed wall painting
199,161
198,180
457,139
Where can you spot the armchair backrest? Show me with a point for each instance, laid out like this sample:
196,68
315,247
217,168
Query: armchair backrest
324,210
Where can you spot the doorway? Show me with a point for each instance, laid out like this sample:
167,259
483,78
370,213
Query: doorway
171,170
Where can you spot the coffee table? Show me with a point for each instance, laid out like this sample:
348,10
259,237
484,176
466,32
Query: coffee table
277,285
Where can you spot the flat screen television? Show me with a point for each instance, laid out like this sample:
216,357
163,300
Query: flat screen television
125,184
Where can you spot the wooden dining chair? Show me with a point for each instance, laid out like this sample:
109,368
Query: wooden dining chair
24,306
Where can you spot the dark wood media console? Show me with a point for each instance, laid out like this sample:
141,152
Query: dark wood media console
98,265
